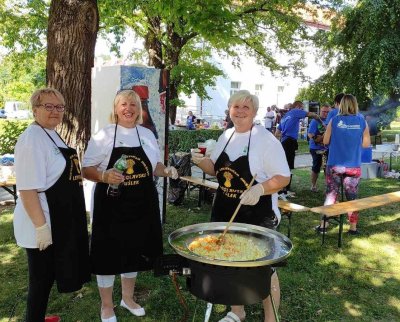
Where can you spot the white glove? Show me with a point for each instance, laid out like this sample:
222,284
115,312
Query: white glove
171,172
43,237
197,157
251,196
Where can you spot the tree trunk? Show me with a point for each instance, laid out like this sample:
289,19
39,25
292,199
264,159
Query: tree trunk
71,40
152,44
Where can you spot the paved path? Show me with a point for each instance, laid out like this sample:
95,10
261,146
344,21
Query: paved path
303,160
6,196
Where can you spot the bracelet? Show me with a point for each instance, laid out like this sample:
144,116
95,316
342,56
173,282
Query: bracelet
102,176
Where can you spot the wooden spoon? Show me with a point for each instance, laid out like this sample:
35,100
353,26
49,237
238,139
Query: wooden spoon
221,237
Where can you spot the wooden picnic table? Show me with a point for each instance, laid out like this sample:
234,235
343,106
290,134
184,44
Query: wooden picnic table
11,187
342,208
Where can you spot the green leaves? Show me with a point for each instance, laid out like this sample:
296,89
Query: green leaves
10,131
366,42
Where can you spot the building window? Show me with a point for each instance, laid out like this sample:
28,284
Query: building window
258,89
235,86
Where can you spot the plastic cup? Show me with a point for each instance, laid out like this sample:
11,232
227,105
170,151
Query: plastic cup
202,147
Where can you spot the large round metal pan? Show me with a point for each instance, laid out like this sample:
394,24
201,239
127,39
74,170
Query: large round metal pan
277,246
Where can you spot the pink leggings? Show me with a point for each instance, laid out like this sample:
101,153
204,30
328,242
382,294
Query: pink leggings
351,179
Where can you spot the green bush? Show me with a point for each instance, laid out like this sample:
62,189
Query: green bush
183,140
9,133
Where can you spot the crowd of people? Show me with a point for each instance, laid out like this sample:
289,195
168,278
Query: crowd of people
330,134
126,237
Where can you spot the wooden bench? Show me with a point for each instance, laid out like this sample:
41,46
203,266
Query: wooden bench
11,187
202,184
342,208
287,209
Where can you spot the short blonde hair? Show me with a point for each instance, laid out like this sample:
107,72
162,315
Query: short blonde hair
127,93
37,96
242,96
348,105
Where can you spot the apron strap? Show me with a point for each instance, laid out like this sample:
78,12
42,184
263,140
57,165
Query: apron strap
115,135
52,138
248,149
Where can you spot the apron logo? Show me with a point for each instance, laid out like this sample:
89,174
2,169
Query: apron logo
228,177
74,165
130,163
132,175
76,162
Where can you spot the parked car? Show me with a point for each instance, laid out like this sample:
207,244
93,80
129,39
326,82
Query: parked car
20,114
3,114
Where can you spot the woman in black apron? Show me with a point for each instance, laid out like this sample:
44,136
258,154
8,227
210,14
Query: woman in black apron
62,252
234,176
126,231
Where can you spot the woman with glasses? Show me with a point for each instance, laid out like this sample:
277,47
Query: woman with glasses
50,217
126,229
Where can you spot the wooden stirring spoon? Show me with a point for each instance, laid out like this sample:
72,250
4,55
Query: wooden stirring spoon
220,239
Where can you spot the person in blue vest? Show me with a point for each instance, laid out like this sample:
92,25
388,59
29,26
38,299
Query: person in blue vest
347,133
288,131
191,121
317,148
335,109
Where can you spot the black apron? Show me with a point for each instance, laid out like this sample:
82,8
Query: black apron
69,225
126,234
234,177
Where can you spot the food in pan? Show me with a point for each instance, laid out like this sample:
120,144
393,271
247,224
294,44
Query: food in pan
235,247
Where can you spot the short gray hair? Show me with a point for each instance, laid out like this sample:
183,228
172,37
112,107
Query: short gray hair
36,98
242,96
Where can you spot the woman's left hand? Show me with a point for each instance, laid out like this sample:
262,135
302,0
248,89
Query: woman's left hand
252,196
171,172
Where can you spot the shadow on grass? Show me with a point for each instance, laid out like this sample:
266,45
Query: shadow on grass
358,283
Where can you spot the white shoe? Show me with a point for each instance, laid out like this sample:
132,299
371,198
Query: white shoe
111,319
136,312
230,317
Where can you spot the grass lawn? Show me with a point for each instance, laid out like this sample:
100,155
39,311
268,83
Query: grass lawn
359,283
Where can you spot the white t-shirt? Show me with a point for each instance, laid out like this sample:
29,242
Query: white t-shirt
266,156
268,120
100,146
38,165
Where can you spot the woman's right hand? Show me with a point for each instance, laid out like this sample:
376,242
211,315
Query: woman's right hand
113,177
197,157
43,237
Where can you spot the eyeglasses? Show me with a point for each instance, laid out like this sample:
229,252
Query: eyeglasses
50,107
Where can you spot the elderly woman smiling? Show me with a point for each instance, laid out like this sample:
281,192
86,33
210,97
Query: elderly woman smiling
126,233
240,153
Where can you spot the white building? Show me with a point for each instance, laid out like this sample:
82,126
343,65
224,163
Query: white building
271,90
